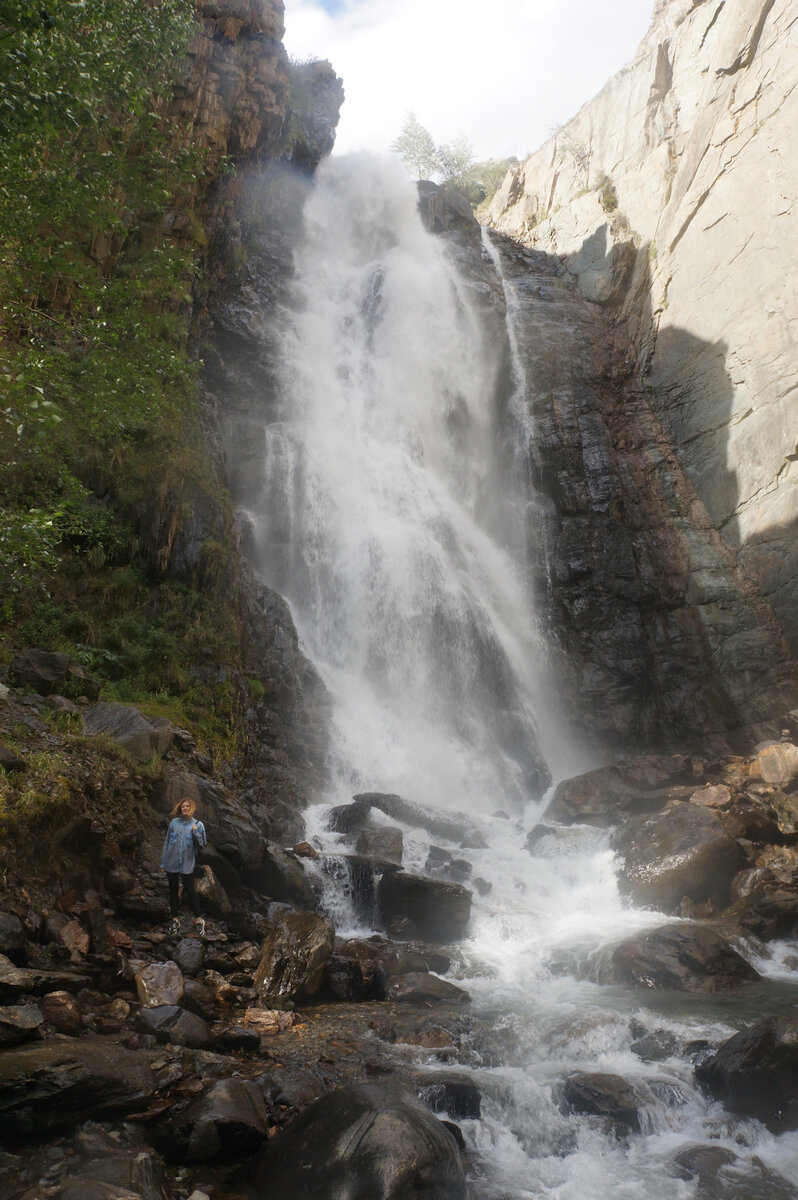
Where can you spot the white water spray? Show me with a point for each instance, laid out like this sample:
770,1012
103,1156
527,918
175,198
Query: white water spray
387,512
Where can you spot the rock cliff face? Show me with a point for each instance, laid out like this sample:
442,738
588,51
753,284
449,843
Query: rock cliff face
267,124
667,204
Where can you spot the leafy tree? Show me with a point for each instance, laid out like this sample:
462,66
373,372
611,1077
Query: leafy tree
455,159
417,150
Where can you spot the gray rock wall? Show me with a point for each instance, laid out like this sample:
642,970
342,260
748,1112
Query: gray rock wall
670,199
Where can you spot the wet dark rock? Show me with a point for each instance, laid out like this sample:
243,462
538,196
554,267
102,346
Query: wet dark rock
349,818
170,1023
437,911
95,1189
702,1162
769,911
19,1023
689,958
200,999
9,761
419,987
450,825
443,862
402,959
16,982
52,1085
44,671
750,821
143,908
228,1119
12,937
137,1172
682,851
213,898
745,882
189,954
231,1038
371,1140
142,736
384,843
160,983
656,1046
755,1073
605,795
453,1093
603,1095
355,972
62,1011
293,958
119,880
282,877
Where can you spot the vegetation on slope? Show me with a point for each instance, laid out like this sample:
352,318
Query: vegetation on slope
101,449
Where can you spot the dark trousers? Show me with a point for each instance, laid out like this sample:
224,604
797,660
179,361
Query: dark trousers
174,878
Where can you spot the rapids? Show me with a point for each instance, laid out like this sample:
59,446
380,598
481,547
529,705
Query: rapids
391,515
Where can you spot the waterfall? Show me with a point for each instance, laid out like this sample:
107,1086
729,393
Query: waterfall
396,514
391,505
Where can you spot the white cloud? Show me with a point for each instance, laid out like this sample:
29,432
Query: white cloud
502,74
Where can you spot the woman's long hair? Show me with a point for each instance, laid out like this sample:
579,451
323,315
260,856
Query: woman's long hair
176,810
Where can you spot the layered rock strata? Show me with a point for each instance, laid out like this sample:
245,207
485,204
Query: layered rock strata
667,203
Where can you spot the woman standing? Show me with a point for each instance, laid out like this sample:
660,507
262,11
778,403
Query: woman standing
183,838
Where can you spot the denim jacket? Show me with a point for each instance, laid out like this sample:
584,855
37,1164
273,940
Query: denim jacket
181,844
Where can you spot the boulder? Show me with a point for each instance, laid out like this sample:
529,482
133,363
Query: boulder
722,1175
19,1023
419,987
9,761
227,1120
136,1173
688,958
712,796
213,896
443,823
21,981
52,1085
367,1140
355,972
777,764
755,1073
160,983
200,999
267,1023
451,1092
293,958
140,735
63,1012
437,911
349,818
282,877
603,796
750,821
681,851
43,672
598,1094
769,910
384,843
407,957
189,954
12,936
169,1023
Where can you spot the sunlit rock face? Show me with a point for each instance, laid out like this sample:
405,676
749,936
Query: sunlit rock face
665,203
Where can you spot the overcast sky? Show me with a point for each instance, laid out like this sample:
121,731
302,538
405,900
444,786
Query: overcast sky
503,73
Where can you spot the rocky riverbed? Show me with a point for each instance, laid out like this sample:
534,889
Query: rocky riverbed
346,984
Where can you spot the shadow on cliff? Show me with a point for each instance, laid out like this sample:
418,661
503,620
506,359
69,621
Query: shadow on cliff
669,640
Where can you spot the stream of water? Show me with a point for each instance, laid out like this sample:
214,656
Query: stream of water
388,517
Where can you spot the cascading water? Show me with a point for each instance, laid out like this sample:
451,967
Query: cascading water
384,512
393,481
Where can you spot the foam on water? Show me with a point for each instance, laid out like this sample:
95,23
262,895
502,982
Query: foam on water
392,512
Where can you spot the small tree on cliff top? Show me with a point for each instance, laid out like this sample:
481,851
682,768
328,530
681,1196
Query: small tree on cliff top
416,149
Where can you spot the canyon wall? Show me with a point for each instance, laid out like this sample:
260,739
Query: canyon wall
667,207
